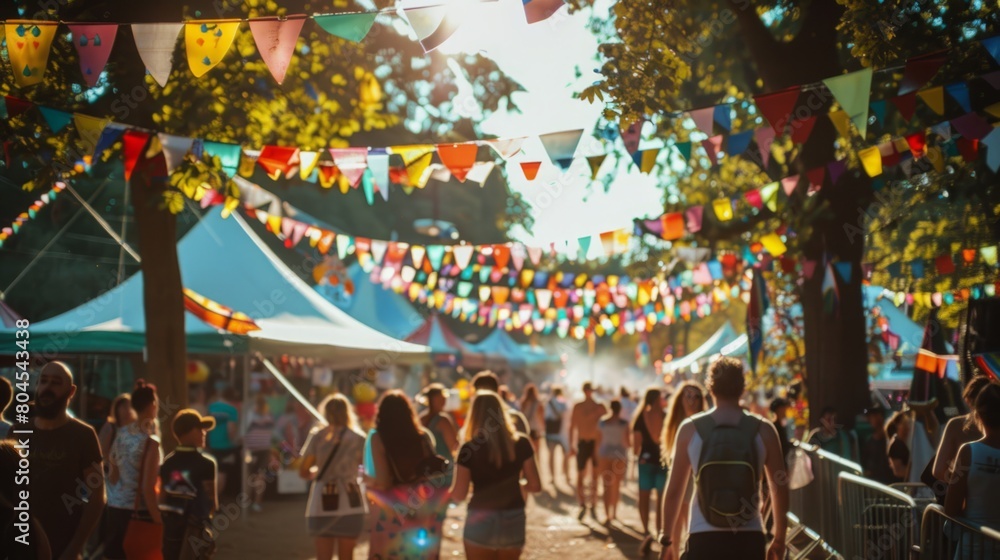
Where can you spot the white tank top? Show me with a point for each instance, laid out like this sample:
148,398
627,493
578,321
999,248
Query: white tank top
984,485
698,522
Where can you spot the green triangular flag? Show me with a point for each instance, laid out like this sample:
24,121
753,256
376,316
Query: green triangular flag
685,149
353,27
57,120
852,91
584,246
368,186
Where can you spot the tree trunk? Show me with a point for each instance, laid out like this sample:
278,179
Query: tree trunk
163,298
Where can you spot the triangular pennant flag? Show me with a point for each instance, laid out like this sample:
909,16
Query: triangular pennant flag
831,294
93,42
109,136
417,253
584,246
764,137
378,165
458,158
307,164
754,199
693,217
841,122
723,209
89,128
57,120
878,108
435,254
275,40
368,187
673,226
992,143
561,145
417,158
871,159
479,172
788,184
993,110
343,245
506,147
134,142
919,70
28,44
207,43
906,105
777,107
646,159
972,126
723,116
174,149
942,129
433,25
993,78
712,146
738,143
704,119
769,194
530,169
595,164
933,98
15,107
802,129
773,244
278,161
351,162
535,255
501,255
155,43
852,92
228,154
462,255
540,10
684,148
992,46
959,91
844,270
632,135
917,143
608,243
816,177
351,27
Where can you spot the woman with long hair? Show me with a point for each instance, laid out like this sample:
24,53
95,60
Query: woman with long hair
612,457
492,460
119,416
688,399
960,429
648,424
409,493
531,407
135,468
335,512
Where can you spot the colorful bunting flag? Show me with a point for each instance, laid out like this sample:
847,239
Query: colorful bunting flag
756,309
831,294
351,162
155,43
712,146
595,164
723,116
350,27
739,142
228,154
275,39
632,135
530,169
57,120
378,166
992,143
207,43
704,119
802,129
919,70
458,158
933,98
773,244
561,146
433,24
852,92
723,209
777,107
174,149
540,10
971,126
693,218
764,137
992,46
506,147
841,122
93,42
788,184
871,159
134,142
28,44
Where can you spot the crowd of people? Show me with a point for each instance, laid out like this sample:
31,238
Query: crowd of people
711,475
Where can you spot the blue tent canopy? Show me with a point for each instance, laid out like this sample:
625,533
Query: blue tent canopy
381,309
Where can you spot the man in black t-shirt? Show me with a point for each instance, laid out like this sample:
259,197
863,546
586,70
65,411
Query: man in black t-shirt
874,452
189,499
67,477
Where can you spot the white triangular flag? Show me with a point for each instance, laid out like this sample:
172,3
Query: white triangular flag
155,43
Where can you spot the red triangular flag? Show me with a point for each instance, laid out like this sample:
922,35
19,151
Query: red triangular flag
501,255
278,161
920,69
712,146
458,158
777,107
530,169
906,104
802,128
816,177
17,106
969,148
918,143
134,143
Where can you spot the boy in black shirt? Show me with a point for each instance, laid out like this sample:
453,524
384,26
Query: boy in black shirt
189,499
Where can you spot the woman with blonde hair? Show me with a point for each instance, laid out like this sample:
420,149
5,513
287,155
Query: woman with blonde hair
336,509
493,459
688,399
612,457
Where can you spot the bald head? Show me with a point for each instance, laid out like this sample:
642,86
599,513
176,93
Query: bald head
54,390
58,368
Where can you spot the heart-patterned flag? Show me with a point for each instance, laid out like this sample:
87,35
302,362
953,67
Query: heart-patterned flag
28,44
207,43
93,44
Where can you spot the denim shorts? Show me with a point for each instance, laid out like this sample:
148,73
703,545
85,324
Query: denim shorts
495,529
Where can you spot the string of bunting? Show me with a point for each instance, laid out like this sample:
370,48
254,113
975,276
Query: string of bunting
31,213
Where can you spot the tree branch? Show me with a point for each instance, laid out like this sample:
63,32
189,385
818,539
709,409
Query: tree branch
761,43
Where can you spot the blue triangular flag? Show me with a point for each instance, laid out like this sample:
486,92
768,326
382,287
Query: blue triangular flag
844,271
878,107
917,268
992,143
584,246
57,120
738,143
992,46
109,136
723,116
960,93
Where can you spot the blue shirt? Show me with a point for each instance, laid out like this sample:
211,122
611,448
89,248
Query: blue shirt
224,413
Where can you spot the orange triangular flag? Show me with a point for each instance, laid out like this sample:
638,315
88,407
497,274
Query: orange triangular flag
458,158
530,169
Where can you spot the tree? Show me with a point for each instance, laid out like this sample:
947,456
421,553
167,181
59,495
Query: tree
672,55
379,92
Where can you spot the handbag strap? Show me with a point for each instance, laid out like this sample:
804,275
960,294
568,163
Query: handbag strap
333,454
142,467
555,411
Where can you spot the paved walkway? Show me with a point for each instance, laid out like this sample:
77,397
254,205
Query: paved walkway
553,530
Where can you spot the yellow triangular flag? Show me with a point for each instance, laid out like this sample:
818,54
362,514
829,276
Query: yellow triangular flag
994,110
595,164
723,209
774,245
417,158
28,44
871,159
207,43
648,160
936,158
247,165
934,98
307,163
90,129
769,194
842,122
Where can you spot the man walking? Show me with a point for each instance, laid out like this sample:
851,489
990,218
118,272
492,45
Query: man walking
727,447
583,435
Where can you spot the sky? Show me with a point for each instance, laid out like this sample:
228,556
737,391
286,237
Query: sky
543,58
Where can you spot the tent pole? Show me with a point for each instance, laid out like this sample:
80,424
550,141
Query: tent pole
245,423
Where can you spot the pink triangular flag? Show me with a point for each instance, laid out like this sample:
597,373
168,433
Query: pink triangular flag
517,254
632,135
275,39
535,254
808,268
506,147
788,184
704,119
352,162
712,146
764,137
93,42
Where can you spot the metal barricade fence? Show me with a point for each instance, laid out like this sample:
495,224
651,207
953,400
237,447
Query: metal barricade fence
876,521
816,503
944,537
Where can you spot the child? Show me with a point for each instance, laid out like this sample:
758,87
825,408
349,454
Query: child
188,478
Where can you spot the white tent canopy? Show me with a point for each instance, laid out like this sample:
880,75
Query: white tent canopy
225,261
724,341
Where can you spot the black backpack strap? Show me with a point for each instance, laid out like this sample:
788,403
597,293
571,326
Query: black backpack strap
704,424
750,427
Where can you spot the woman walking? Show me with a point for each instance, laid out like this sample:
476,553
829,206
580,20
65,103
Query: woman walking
531,407
335,512
257,441
407,483
493,460
687,400
439,423
121,415
612,457
135,467
648,424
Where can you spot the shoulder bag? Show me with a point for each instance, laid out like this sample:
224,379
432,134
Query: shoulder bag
143,538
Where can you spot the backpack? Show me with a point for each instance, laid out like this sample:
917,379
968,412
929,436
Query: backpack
553,426
727,481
